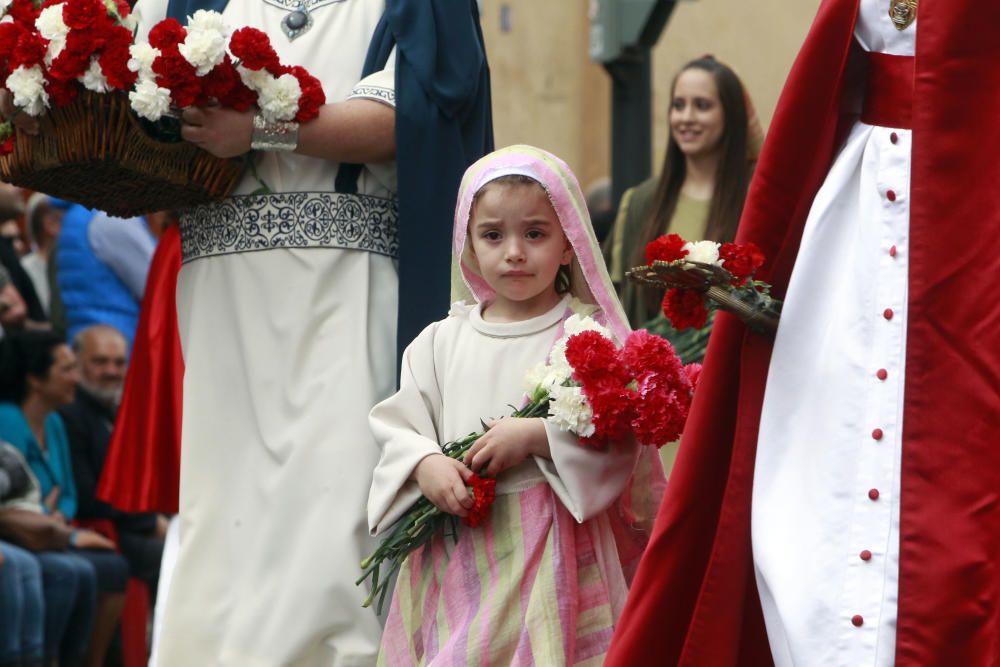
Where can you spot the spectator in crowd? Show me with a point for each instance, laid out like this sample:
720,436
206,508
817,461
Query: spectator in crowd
38,374
47,595
43,216
101,353
101,267
12,308
12,248
713,142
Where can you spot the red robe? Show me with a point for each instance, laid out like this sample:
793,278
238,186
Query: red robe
694,600
142,470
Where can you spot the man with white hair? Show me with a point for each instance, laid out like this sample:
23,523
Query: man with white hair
101,354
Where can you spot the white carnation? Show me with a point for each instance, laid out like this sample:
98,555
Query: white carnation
149,100
279,100
27,85
204,49
207,21
94,79
143,54
570,410
575,324
51,26
706,252
546,377
255,79
50,22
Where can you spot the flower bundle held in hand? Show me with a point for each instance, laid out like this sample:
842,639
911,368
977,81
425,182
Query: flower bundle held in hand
703,274
49,51
590,387
201,63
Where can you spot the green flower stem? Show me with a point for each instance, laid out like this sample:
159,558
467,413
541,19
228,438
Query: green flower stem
423,520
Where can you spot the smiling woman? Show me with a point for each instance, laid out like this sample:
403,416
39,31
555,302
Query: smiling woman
713,144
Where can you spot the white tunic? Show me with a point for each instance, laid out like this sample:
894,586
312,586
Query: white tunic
463,369
825,514
286,351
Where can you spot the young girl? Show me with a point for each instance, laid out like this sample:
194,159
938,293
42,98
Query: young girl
543,579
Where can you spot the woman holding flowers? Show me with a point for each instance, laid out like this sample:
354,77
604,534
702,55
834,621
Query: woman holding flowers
713,141
543,578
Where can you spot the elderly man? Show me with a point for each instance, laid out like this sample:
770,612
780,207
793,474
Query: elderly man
100,351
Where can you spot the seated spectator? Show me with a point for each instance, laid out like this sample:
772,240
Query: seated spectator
22,610
101,264
43,216
66,593
38,373
100,351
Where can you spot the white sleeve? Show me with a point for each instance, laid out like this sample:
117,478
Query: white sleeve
379,86
587,480
404,426
149,13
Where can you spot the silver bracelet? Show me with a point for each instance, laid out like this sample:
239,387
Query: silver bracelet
276,136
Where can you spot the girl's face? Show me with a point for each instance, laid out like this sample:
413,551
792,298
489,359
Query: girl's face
697,119
59,386
519,243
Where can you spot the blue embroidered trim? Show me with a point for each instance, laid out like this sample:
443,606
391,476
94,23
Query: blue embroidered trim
375,92
249,223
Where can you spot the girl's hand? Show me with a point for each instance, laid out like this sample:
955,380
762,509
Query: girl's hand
442,481
509,441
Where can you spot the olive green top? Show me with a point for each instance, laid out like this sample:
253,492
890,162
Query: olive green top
689,220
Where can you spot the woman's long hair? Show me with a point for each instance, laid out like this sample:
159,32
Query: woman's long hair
732,176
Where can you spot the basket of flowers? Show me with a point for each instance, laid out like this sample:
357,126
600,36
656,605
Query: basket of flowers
107,106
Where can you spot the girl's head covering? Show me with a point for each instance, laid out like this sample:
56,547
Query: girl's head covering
590,282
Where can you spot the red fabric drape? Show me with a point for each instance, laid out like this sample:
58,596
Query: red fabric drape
142,470
694,600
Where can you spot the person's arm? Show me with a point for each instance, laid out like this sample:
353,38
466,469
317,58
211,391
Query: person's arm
125,246
355,130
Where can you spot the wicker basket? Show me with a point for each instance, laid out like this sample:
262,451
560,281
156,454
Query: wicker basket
94,152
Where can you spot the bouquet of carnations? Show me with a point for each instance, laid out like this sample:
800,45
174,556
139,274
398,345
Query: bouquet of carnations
704,274
602,393
76,63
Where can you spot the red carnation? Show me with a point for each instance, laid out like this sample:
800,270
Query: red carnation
667,248
312,97
124,9
69,64
87,14
614,410
24,12
29,50
483,494
741,260
661,411
685,308
10,33
61,92
644,352
252,48
177,75
223,83
594,359
114,59
167,34
7,144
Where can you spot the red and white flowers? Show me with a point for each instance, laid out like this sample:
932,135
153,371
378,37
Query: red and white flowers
706,274
49,51
605,394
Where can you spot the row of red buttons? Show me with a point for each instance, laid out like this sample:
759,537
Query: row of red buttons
866,555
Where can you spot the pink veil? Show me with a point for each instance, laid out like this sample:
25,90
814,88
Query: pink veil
590,283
